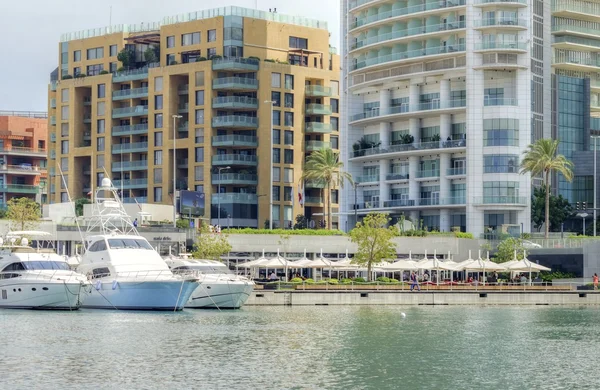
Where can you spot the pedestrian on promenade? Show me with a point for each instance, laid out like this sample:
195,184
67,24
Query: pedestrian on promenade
414,282
595,281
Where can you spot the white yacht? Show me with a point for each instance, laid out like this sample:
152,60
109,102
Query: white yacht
124,269
219,287
37,278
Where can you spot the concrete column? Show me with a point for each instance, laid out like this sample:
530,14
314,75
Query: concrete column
415,218
413,185
445,126
384,188
444,93
413,95
444,220
385,134
384,101
414,128
444,181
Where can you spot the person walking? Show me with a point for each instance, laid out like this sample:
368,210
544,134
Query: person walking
595,281
414,282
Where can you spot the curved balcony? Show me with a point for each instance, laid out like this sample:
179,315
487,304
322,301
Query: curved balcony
512,23
520,201
235,121
578,10
393,15
412,149
459,201
235,140
235,179
394,36
585,32
234,159
419,109
359,3
486,3
488,101
500,46
235,83
235,102
317,128
409,55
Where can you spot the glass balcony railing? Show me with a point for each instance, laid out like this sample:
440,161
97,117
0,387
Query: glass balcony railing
500,22
318,109
428,173
235,121
53,85
489,101
414,146
313,199
131,183
318,127
234,64
129,111
407,108
21,150
318,91
570,40
52,103
424,52
235,102
409,32
500,46
366,179
358,3
131,75
234,159
580,29
235,83
580,7
501,199
456,171
129,165
132,93
138,199
430,6
314,184
234,198
52,137
317,145
183,89
523,2
397,176
183,108
141,128
235,178
131,147
19,188
235,140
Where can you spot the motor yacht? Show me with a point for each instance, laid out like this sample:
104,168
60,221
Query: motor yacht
37,278
219,287
124,270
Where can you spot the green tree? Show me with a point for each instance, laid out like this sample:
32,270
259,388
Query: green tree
152,54
324,165
210,246
301,222
374,240
23,212
541,158
506,250
127,58
79,206
560,210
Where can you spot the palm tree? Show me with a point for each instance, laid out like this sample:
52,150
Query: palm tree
324,165
541,158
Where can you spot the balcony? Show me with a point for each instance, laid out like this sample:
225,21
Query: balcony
52,154
456,171
125,112
87,100
313,200
501,46
236,64
405,11
133,93
53,120
311,146
137,199
317,128
418,109
235,83
21,169
236,198
397,176
415,148
130,75
53,85
575,60
183,89
487,101
583,31
367,179
183,108
182,163
318,109
130,165
501,200
132,147
517,3
500,22
234,179
410,54
141,128
19,188
235,140
235,159
318,91
22,151
235,102
87,118
131,183
235,121
430,174
579,10
314,184
87,136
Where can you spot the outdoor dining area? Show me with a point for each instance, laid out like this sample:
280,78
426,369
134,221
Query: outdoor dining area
427,273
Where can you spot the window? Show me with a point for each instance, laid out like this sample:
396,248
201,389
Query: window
276,156
77,56
288,137
276,174
335,105
335,196
288,175
113,50
276,118
501,132
298,43
170,59
289,119
289,100
64,164
200,188
96,53
212,51
158,138
501,163
190,39
100,108
64,129
100,126
158,157
158,121
64,147
199,173
288,194
199,79
276,80
276,195
112,67
500,191
335,123
64,113
276,137
158,194
76,71
295,59
170,41
100,161
212,35
100,144
101,91
289,81
199,117
64,95
199,98
158,84
158,102
288,156
335,88
276,98
199,138
335,142
93,70
199,155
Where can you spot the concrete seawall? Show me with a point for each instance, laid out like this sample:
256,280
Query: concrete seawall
312,298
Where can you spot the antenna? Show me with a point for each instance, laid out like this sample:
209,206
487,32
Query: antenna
110,19
72,204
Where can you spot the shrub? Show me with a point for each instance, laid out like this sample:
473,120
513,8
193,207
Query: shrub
216,57
296,280
67,77
201,59
549,276
309,281
80,75
383,279
332,281
283,232
104,72
269,60
358,280
254,58
121,69
463,235
392,280
346,281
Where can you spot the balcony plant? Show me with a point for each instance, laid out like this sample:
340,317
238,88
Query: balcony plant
104,72
80,75
127,57
215,57
67,77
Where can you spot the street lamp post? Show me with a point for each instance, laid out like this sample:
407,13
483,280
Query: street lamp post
355,203
175,117
271,168
583,216
219,195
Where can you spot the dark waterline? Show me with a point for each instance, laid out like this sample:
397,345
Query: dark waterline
303,348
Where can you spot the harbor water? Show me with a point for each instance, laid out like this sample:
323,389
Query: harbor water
343,347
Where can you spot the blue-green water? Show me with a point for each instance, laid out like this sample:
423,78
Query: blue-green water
303,348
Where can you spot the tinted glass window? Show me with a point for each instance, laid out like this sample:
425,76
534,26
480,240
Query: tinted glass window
40,265
128,243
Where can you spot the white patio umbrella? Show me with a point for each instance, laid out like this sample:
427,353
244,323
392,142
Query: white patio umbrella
481,265
254,263
301,263
526,265
435,264
322,263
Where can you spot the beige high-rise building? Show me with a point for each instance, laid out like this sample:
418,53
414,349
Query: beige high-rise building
201,83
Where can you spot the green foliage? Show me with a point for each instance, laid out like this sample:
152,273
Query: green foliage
346,281
506,250
104,72
269,60
79,205
211,246
359,280
463,235
301,222
23,212
436,137
3,213
560,209
67,77
374,240
284,232
152,54
215,57
201,59
254,58
127,57
296,280
332,281
183,223
362,145
80,75
174,63
549,276
309,281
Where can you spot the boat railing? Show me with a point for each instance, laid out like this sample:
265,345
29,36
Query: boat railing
42,274
148,275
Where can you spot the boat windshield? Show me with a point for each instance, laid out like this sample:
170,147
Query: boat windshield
205,269
128,243
40,265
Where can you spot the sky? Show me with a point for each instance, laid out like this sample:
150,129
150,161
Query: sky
31,29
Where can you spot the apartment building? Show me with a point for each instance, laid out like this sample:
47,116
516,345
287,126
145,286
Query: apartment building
23,143
440,100
203,85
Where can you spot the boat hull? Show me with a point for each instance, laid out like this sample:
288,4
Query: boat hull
41,294
220,295
140,295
